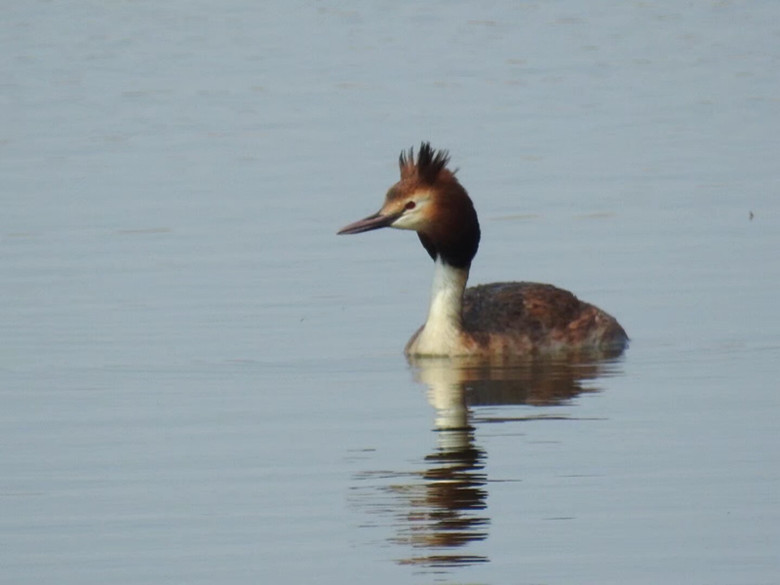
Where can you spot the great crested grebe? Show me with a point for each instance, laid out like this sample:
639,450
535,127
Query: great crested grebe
503,318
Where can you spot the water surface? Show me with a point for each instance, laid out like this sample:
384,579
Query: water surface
201,383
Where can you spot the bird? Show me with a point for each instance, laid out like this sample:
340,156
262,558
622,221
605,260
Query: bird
497,319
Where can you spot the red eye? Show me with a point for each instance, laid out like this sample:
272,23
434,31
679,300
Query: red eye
410,205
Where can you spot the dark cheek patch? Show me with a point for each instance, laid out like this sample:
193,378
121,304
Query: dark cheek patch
428,245
455,251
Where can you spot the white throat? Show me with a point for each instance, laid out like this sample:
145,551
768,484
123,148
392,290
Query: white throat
441,334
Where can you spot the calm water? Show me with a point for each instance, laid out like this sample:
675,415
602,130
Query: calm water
201,383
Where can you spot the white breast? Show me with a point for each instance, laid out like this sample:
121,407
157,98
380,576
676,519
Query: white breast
441,334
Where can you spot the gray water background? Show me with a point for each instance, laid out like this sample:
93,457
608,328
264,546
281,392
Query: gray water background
201,383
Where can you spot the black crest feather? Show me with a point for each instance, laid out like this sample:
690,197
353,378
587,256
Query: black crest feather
430,163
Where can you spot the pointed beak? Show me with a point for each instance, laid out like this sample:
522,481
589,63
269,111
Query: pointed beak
372,222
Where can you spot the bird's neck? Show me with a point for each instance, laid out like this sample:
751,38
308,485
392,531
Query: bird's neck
443,327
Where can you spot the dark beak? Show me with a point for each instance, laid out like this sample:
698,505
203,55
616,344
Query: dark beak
372,222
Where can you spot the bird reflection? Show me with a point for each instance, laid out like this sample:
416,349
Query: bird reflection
441,511
446,511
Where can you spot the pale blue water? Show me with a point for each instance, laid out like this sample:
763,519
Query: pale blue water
201,383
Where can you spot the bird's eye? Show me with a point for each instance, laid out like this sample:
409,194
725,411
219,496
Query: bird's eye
410,205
